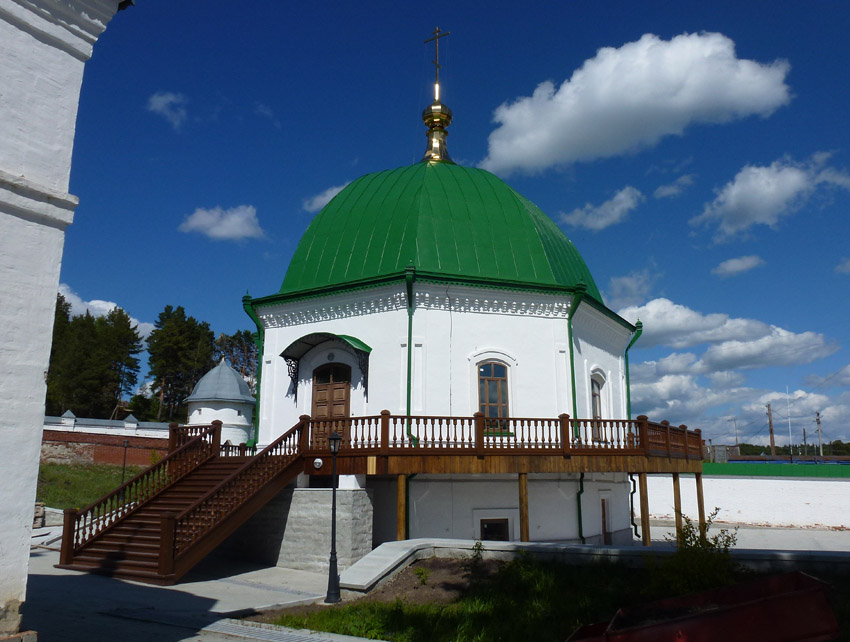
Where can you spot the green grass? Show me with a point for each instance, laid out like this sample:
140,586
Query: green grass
526,600
78,485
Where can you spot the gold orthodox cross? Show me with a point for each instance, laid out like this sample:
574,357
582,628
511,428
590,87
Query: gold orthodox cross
436,38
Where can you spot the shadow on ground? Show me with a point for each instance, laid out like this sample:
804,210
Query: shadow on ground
68,606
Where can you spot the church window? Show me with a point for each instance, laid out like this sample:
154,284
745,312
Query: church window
596,397
493,389
597,404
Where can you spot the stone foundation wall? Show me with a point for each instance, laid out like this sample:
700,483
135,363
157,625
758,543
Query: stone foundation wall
294,530
61,447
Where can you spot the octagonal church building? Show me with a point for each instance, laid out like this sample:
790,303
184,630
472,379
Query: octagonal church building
435,292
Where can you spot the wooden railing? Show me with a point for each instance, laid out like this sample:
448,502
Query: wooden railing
398,434
82,526
181,532
182,435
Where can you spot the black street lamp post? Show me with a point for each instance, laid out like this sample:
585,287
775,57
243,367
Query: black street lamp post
333,577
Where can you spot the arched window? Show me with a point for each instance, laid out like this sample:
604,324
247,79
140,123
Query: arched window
493,389
596,397
597,404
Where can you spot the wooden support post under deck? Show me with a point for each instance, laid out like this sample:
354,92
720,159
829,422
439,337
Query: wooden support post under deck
523,507
700,506
66,555
677,508
401,508
644,510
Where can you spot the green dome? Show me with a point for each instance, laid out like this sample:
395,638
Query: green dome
450,222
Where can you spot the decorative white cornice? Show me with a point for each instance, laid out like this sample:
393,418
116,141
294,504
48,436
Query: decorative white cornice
72,25
371,302
512,305
590,321
362,302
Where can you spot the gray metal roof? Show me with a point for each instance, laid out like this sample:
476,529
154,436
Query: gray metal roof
222,383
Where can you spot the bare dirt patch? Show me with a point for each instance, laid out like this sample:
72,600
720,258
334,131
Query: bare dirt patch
430,581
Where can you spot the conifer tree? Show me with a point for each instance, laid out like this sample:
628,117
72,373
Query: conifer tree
180,352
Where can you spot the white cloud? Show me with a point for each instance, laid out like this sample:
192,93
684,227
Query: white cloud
726,379
761,195
169,105
734,343
679,398
98,308
265,110
629,290
779,348
631,97
675,188
317,202
611,212
839,378
677,326
843,267
732,267
234,224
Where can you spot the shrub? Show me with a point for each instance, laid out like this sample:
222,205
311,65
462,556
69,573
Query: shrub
699,563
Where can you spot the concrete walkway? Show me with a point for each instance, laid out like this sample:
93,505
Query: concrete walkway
67,606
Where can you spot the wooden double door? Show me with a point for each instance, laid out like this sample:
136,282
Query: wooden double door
331,400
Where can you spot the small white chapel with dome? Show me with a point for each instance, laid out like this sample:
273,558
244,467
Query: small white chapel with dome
437,290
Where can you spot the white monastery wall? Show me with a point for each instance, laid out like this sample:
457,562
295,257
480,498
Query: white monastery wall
774,501
43,47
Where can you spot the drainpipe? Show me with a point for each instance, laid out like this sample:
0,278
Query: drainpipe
409,278
259,342
632,504
578,500
580,292
638,332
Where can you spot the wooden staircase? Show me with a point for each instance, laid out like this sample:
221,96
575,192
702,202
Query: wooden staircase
161,523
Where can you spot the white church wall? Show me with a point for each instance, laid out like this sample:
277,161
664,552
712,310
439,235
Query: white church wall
454,505
462,327
378,317
43,48
763,501
599,345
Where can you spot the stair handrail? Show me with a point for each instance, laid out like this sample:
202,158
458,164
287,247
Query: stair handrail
209,510
82,526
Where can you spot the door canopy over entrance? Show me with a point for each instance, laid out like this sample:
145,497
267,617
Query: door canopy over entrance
298,348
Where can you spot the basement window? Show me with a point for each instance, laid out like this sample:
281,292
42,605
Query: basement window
495,530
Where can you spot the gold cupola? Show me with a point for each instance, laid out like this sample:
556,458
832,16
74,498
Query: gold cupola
437,117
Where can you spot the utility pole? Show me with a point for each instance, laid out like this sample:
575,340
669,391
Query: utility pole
770,427
805,444
820,439
735,422
790,438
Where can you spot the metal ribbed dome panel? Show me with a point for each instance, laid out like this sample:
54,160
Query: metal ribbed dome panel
447,221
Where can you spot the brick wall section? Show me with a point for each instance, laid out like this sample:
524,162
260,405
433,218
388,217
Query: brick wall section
87,448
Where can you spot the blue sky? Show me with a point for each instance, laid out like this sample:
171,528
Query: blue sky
697,154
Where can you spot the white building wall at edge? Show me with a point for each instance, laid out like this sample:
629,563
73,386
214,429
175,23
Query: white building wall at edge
43,48
762,501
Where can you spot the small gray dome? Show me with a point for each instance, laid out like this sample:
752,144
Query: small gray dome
222,383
